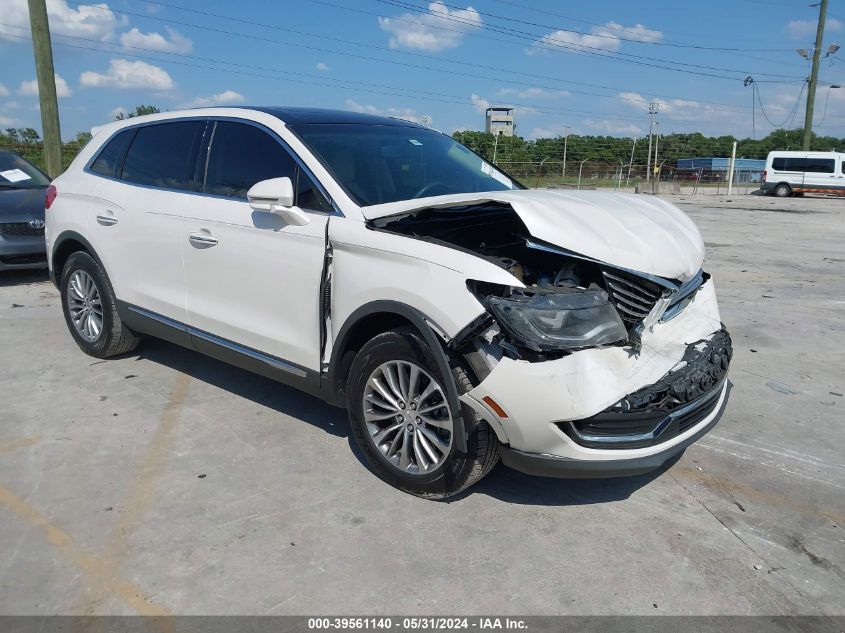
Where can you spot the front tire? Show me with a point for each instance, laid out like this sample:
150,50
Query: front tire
402,422
90,309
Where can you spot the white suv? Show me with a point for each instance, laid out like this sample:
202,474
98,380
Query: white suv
385,268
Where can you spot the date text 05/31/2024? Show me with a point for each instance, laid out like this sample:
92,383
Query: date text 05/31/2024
413,624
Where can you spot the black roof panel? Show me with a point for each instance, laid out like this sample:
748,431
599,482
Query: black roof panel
300,116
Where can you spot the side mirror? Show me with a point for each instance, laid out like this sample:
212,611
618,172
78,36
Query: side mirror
276,196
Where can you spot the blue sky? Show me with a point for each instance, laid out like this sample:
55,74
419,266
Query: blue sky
590,66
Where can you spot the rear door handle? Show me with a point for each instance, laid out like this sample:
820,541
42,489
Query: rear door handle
203,239
107,218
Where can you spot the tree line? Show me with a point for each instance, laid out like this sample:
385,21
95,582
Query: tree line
613,149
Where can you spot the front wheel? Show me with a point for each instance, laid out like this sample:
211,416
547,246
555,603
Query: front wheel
90,309
401,419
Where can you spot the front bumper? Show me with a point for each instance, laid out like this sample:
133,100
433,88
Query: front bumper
541,399
566,467
21,253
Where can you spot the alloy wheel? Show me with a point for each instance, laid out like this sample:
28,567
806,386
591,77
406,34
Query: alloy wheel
85,305
408,417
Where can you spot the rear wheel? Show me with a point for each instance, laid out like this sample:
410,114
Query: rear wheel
783,191
401,419
90,309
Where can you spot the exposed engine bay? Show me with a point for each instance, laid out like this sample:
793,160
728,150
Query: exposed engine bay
569,301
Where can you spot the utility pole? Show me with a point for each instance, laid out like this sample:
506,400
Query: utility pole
656,183
46,86
653,108
565,139
814,78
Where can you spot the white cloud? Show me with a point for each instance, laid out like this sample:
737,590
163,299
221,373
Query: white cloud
408,114
803,29
604,38
479,103
4,91
11,105
322,66
554,131
129,75
30,88
227,97
173,42
533,93
614,128
638,32
677,107
428,30
93,22
6,121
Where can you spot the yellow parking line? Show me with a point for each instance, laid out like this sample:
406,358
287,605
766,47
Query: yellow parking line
141,492
12,445
99,572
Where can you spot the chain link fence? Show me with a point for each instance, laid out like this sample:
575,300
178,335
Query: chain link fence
665,178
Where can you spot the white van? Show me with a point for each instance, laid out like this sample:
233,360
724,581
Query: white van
790,173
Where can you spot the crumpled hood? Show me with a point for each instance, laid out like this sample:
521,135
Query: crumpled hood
638,232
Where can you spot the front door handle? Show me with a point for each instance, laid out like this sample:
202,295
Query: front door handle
106,219
203,239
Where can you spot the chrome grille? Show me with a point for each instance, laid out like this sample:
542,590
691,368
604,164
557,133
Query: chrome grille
634,299
20,229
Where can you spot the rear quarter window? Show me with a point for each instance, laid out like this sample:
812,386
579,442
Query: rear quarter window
110,159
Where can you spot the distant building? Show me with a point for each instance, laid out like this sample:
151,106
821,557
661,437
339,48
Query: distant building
716,169
500,121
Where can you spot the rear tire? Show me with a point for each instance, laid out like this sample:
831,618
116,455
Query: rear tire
90,309
404,350
783,191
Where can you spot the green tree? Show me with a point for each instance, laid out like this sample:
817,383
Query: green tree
140,110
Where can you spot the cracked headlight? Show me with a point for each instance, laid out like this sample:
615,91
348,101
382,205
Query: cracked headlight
559,318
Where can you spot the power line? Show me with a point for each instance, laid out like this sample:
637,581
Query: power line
790,117
349,54
430,57
345,84
641,60
664,42
635,40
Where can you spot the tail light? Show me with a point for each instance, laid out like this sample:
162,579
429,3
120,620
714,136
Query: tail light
764,175
51,194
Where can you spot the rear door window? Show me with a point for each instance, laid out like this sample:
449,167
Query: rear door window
164,155
110,160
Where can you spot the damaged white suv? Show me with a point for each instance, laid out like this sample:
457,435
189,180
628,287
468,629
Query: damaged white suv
385,268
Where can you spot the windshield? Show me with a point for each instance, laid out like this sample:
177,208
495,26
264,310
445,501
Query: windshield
386,163
16,173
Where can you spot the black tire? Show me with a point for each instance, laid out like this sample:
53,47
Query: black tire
783,190
459,470
114,338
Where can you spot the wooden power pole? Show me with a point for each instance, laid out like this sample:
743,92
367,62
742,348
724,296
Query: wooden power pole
814,78
46,86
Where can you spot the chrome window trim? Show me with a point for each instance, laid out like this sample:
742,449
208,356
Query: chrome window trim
209,119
